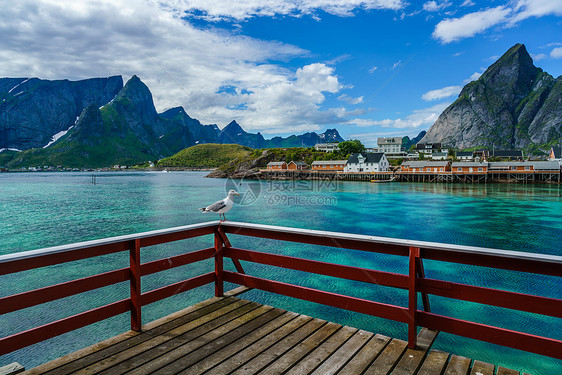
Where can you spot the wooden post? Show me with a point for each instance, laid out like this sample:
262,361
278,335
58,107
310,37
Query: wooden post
135,284
412,296
219,288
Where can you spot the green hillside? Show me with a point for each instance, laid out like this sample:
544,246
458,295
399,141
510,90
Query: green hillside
209,155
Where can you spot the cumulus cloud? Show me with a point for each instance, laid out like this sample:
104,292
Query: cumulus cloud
444,92
181,64
418,118
241,10
556,53
538,57
452,29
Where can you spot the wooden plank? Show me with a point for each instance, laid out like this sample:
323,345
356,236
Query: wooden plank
148,350
366,355
275,351
343,354
321,353
301,350
259,346
482,368
425,339
506,371
458,365
188,350
222,341
237,291
234,347
387,359
412,358
12,369
99,351
434,363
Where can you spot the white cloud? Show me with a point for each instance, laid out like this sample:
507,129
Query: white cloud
539,56
418,118
452,29
181,64
444,92
536,8
473,77
241,10
434,6
556,53
467,3
348,99
372,70
396,64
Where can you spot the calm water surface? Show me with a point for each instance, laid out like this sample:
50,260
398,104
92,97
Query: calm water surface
48,209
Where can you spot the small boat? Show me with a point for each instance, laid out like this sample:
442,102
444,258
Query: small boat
380,181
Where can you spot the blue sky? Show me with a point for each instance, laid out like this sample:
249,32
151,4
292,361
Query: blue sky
368,68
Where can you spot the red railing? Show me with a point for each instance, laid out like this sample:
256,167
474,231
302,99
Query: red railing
414,282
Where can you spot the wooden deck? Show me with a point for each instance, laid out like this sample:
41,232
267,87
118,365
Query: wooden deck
229,335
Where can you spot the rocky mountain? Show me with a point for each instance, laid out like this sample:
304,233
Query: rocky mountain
32,110
513,104
233,133
126,130
407,143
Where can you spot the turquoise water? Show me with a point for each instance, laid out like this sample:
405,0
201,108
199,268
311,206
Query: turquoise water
48,209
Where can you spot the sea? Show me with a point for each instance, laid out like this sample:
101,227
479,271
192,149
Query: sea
44,209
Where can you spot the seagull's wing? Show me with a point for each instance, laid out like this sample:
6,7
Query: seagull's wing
216,206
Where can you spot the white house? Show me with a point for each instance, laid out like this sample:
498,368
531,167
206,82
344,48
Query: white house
390,145
465,155
327,147
367,162
439,156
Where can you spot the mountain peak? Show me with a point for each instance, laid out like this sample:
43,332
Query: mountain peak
515,66
233,126
135,96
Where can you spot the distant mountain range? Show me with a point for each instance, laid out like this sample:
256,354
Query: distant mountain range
99,122
512,105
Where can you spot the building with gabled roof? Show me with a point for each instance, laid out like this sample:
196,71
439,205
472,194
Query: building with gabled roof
328,165
464,155
367,162
327,147
296,165
276,165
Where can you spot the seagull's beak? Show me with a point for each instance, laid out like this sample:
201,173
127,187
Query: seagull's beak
237,194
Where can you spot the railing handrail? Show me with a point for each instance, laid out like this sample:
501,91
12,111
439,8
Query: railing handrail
415,281
101,242
554,259
520,255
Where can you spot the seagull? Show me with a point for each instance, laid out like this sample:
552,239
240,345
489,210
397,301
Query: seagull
221,206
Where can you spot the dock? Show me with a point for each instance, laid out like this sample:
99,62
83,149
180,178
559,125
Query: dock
229,335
